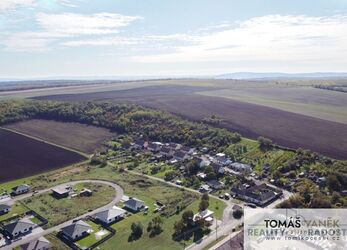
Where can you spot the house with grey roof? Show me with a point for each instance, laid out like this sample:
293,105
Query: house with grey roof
180,155
111,215
19,227
39,244
4,209
61,191
134,204
76,230
21,189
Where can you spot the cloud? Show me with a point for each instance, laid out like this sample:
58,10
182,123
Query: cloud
266,38
52,27
10,4
78,24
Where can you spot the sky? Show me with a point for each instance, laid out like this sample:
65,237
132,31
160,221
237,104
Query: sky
99,38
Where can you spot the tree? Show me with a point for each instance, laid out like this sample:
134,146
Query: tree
333,183
203,205
155,228
136,231
264,143
126,143
187,217
237,214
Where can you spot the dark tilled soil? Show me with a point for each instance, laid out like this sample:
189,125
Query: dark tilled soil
284,128
21,156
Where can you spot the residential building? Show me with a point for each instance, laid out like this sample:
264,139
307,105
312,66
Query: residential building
19,227
86,192
206,215
260,195
76,230
241,167
180,155
111,215
204,189
61,191
218,168
21,189
214,184
134,204
167,151
4,209
39,244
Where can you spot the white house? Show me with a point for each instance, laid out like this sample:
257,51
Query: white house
110,215
21,189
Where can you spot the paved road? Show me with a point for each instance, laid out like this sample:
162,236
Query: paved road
116,199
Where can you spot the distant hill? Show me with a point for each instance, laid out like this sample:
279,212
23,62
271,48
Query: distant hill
253,75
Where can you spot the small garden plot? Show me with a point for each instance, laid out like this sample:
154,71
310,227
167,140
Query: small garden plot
16,210
61,210
98,233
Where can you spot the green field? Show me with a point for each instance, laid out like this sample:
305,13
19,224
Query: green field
57,211
305,100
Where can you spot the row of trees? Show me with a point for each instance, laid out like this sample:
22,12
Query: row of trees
153,124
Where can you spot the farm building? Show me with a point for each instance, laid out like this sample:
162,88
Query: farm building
86,192
39,244
21,189
61,191
134,204
18,228
76,230
110,215
4,208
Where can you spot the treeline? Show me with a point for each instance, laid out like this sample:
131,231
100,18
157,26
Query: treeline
121,118
339,88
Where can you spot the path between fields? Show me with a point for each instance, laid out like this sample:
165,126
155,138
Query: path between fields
47,142
28,238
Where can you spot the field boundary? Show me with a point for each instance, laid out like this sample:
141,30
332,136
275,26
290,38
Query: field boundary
47,142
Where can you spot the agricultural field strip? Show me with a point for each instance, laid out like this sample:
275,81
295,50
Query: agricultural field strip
47,142
117,198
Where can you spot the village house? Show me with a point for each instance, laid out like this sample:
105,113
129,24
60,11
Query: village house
154,146
202,161
206,215
220,158
4,209
214,184
111,215
19,228
39,244
174,146
61,191
187,150
140,144
180,155
201,176
260,195
134,204
240,167
204,189
76,230
21,189
218,168
167,151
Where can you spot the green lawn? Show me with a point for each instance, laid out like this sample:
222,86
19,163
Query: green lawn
16,209
161,241
56,244
60,210
93,237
